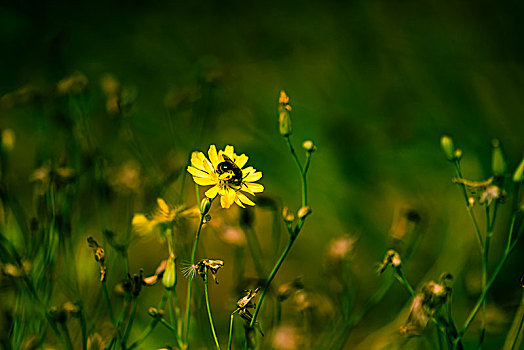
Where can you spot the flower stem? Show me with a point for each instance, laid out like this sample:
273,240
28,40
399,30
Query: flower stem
402,279
469,208
209,312
270,278
190,281
302,172
509,247
230,332
174,319
149,328
69,343
129,323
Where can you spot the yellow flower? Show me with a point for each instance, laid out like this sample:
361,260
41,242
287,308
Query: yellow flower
226,173
162,215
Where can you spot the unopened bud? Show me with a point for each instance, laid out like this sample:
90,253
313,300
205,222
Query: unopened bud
205,205
303,212
287,215
518,176
448,147
498,163
169,278
154,312
309,146
458,154
284,119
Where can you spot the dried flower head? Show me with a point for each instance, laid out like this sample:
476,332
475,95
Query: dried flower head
483,192
392,258
202,268
99,257
425,304
226,173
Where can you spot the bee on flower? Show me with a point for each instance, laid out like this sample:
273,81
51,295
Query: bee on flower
224,170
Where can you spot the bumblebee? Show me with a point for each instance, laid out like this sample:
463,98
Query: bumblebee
228,166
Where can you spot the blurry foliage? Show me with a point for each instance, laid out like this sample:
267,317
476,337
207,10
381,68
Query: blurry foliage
375,84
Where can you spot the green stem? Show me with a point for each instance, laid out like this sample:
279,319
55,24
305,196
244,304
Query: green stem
190,281
108,302
469,208
69,343
270,278
83,328
129,323
301,170
209,312
402,279
229,342
150,327
507,251
174,320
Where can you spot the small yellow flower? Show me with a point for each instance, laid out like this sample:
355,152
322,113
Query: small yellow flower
162,215
226,173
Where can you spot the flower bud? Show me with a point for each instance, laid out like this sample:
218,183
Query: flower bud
518,176
284,119
498,163
309,146
287,215
205,205
154,312
169,278
303,212
448,147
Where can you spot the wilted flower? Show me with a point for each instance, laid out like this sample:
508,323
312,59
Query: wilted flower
431,298
224,171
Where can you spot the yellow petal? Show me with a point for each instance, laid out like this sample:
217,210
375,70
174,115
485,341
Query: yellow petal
244,199
237,201
208,166
204,181
255,187
228,198
229,151
196,172
253,177
241,160
213,156
196,160
162,205
212,192
247,189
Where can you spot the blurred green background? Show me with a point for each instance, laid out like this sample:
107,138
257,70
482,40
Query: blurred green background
373,83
